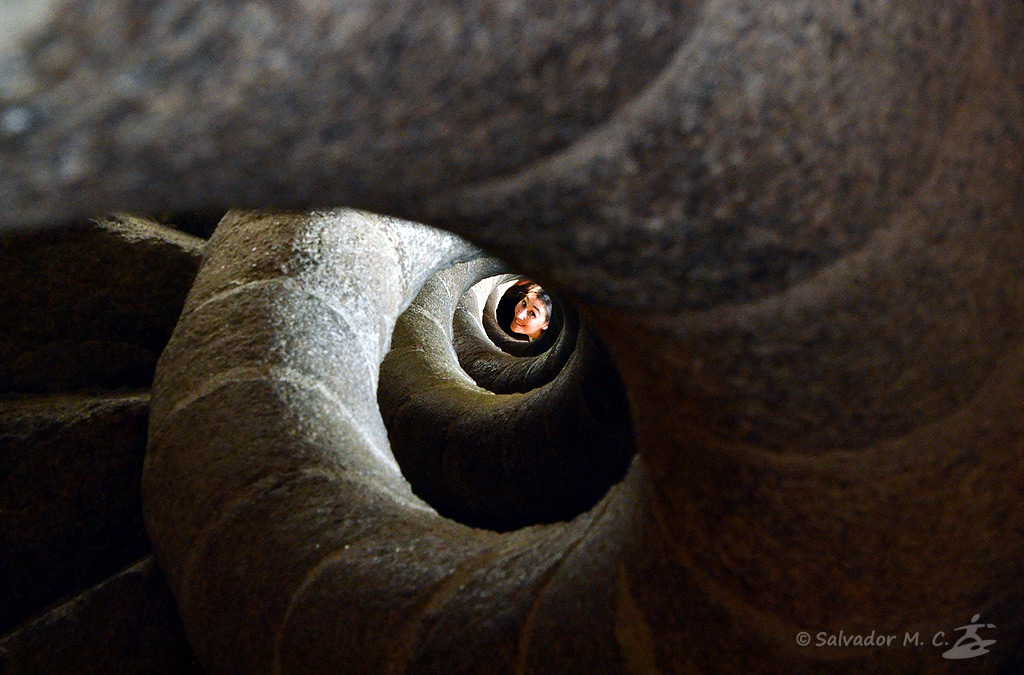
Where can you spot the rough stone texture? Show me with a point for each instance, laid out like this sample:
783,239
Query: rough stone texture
125,626
237,369
796,224
98,97
70,510
90,306
728,148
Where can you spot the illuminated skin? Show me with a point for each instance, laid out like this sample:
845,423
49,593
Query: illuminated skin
531,317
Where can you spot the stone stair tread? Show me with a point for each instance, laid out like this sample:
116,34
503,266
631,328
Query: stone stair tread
70,509
125,625
91,305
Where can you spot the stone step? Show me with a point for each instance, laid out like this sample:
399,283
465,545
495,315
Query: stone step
91,305
70,509
127,625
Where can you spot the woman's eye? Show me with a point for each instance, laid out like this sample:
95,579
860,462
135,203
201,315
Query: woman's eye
532,314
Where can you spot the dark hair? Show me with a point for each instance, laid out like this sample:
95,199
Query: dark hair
542,297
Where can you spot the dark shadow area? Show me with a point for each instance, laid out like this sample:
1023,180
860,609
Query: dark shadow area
199,223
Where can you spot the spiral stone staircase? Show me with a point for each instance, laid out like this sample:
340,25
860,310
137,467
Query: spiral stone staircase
794,227
102,299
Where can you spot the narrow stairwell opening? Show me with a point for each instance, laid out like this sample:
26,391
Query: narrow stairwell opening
494,431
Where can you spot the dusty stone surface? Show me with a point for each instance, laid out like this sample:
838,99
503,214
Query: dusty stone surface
314,362
126,625
90,306
397,93
728,149
70,508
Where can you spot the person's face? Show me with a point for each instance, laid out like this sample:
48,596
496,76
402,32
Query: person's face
530,318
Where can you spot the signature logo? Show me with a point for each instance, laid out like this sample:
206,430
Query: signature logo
970,643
